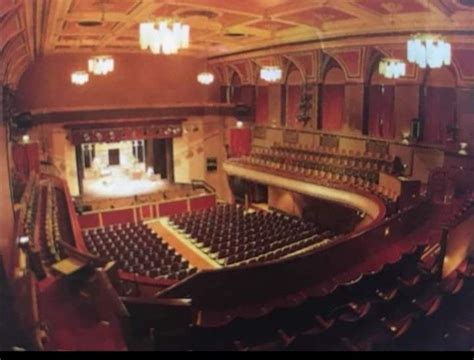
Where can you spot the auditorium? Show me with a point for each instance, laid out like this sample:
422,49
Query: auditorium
238,176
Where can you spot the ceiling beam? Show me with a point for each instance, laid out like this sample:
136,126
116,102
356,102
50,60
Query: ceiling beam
437,7
356,11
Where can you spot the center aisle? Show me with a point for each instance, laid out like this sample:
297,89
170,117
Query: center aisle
195,256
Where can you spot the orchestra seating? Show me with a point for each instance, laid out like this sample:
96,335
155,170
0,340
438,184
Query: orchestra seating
330,166
234,236
138,251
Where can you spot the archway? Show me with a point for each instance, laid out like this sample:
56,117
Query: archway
235,95
294,83
381,105
440,105
333,98
262,110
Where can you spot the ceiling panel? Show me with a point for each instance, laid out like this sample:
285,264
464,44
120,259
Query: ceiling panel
225,26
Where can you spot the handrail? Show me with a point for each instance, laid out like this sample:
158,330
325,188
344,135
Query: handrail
352,137
84,256
205,184
354,198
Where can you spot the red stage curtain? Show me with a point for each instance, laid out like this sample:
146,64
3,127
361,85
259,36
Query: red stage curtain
261,116
333,107
293,103
440,112
240,142
381,106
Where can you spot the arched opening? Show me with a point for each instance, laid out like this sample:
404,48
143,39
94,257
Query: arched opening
440,105
235,95
294,83
262,114
333,98
381,105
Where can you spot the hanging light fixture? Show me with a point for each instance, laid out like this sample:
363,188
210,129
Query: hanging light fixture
392,68
205,78
79,77
271,73
165,36
429,50
101,65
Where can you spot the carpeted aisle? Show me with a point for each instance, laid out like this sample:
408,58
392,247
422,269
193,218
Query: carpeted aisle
72,321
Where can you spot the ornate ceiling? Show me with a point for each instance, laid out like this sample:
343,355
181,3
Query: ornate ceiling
218,27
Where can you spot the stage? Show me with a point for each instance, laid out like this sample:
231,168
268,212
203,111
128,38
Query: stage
118,182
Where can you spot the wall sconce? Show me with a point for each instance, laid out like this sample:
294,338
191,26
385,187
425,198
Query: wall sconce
406,138
24,242
387,231
462,148
240,124
25,139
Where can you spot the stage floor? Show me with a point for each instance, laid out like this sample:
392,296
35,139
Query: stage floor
118,184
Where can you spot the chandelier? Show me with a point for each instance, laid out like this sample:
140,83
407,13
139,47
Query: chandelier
430,50
101,65
271,73
165,36
392,68
205,78
79,77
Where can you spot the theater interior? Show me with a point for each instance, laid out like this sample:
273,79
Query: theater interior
252,175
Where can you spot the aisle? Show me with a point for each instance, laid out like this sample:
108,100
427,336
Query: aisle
192,253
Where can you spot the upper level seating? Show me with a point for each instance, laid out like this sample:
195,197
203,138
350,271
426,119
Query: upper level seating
369,313
228,233
137,250
30,197
329,166
53,229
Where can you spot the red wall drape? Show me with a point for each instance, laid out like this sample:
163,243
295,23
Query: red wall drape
26,158
240,142
293,103
333,107
381,109
440,112
261,116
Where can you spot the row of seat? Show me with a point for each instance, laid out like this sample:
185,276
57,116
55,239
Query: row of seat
466,209
329,175
30,197
137,250
332,151
233,236
362,315
50,250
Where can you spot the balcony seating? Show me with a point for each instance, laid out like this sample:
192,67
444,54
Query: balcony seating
237,237
137,250
55,224
330,167
353,317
